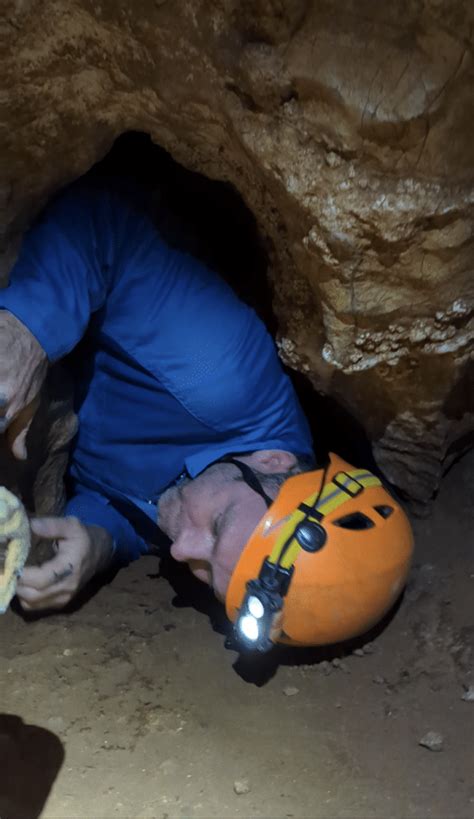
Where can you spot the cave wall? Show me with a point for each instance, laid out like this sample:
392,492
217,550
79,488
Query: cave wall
346,126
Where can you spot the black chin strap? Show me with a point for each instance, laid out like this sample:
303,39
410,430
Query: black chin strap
249,477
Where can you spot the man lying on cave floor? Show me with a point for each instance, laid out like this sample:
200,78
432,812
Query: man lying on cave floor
176,374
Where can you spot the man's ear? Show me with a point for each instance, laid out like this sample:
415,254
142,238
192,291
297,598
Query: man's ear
270,461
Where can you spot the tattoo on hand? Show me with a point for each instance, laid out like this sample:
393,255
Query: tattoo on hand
58,576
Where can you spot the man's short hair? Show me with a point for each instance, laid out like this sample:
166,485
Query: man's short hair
273,482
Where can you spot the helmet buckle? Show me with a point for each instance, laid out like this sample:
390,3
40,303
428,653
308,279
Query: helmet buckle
348,484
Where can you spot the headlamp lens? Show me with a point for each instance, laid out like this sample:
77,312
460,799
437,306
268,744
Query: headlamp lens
248,626
255,607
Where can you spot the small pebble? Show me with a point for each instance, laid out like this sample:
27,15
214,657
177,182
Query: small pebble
291,690
241,786
325,667
359,652
67,652
468,695
379,680
432,740
369,648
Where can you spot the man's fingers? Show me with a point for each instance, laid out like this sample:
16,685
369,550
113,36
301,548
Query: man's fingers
32,603
51,585
31,596
54,583
48,575
62,528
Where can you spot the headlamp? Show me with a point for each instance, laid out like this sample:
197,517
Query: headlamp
260,617
259,622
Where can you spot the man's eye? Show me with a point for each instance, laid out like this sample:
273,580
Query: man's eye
216,526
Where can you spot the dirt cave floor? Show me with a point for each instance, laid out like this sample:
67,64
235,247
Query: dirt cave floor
130,706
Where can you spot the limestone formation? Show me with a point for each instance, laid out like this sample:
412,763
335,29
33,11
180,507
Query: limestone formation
347,128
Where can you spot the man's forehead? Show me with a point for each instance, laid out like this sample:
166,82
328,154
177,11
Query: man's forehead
221,471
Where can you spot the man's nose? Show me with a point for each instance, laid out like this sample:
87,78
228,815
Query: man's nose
190,546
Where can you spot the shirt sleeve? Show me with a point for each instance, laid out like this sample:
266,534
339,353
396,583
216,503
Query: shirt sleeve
60,277
93,509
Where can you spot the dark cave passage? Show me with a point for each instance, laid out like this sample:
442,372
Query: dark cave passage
206,218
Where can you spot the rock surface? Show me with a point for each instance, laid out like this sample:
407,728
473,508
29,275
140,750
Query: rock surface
345,126
433,741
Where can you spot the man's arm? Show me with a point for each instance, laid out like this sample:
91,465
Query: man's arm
60,277
23,366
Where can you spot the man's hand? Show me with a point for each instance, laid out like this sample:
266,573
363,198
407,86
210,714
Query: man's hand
82,551
23,366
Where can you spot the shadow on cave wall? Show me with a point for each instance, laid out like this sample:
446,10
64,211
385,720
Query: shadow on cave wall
210,220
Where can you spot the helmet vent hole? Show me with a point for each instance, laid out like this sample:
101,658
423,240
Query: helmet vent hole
384,511
354,521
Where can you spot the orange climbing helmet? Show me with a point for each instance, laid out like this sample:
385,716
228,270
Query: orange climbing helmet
324,564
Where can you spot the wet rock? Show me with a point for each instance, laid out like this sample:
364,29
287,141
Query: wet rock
433,741
242,786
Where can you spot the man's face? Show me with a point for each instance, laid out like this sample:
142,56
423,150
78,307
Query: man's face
209,519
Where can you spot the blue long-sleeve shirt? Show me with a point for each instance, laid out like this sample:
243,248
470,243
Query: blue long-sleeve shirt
178,371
